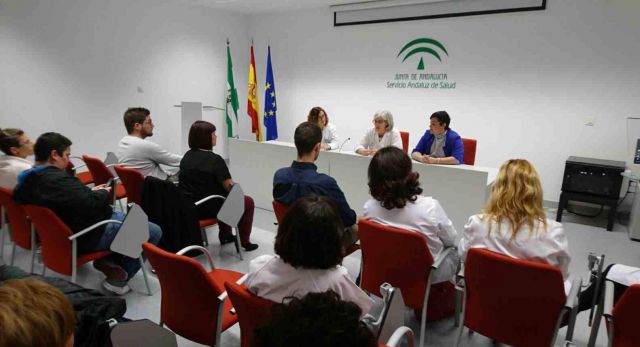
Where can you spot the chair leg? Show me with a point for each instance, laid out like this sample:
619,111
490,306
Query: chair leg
74,260
144,274
238,248
121,206
595,325
572,324
3,231
13,253
205,238
461,326
33,247
44,270
423,323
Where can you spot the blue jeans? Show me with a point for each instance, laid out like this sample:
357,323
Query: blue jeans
130,265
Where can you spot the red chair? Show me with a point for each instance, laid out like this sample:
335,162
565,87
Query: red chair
404,135
59,243
101,175
193,303
621,317
21,229
133,181
251,310
280,211
407,265
84,176
469,151
516,302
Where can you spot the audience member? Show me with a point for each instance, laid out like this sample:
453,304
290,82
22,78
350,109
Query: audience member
439,144
330,138
48,184
381,135
302,178
146,156
204,173
309,256
396,201
514,223
316,320
16,146
35,314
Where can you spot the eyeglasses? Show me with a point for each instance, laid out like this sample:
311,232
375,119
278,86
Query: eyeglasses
379,121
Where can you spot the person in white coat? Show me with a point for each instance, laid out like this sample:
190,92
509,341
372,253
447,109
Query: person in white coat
330,138
396,202
381,135
16,146
308,258
514,223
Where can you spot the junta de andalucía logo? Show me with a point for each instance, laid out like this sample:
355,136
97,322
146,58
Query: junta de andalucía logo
424,47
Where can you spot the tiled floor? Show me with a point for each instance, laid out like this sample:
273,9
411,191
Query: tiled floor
583,238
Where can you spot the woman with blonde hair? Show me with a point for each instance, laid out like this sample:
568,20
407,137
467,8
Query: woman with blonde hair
513,222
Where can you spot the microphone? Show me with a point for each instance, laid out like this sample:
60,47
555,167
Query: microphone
343,142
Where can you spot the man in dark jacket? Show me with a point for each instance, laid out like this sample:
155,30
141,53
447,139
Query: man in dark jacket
48,184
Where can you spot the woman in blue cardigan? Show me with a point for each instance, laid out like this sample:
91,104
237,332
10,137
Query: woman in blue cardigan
439,144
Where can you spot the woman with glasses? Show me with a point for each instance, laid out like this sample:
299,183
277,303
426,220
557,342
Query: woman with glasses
381,135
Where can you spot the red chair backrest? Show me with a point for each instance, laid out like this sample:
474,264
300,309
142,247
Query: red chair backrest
280,210
133,182
99,171
251,310
469,157
515,302
404,135
399,257
189,296
625,315
54,238
20,225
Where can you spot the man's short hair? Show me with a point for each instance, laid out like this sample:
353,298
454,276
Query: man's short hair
310,234
316,320
34,314
9,137
133,116
307,136
48,142
442,117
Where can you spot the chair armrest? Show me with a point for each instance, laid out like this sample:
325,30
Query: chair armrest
203,200
242,279
572,298
198,248
442,256
608,299
93,227
397,336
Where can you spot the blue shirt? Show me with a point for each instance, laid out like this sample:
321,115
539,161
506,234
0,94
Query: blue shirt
300,179
453,146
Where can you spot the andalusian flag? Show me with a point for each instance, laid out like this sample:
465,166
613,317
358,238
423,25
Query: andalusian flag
252,96
232,99
270,107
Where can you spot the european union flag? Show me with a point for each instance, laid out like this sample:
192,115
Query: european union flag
270,106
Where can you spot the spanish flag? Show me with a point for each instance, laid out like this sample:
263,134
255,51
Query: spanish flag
252,98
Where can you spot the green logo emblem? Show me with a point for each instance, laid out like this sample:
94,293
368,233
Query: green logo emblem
422,45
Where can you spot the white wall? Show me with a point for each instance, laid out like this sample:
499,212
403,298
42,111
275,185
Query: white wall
526,82
74,66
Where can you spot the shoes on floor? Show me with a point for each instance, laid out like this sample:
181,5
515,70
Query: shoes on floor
248,247
113,271
116,288
224,239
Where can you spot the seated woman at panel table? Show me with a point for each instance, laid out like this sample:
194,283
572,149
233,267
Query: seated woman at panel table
204,173
396,202
308,256
439,144
513,222
330,138
381,135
